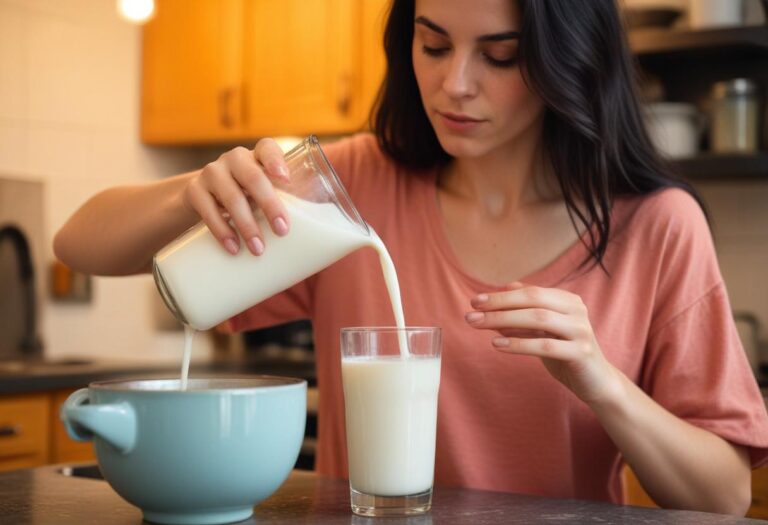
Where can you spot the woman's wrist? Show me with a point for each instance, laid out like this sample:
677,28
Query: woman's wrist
179,203
614,397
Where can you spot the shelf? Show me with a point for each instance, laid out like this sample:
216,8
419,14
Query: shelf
723,168
747,41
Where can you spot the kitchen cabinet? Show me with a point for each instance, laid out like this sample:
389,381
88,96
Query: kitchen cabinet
64,449
191,72
635,495
236,70
24,427
31,433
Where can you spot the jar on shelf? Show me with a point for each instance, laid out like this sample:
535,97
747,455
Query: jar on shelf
735,116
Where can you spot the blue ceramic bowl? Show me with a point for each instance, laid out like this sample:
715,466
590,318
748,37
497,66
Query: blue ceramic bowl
205,455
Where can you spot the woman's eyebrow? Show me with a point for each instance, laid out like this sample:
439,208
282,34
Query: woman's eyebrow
496,37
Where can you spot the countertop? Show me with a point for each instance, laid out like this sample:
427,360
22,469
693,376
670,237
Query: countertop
44,496
17,377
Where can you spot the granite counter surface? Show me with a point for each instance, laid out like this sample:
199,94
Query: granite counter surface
18,377
44,496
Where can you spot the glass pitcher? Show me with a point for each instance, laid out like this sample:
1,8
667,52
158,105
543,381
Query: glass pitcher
203,285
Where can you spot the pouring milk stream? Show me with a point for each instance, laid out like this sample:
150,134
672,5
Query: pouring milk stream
203,285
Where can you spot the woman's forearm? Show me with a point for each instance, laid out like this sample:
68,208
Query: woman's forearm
680,465
117,231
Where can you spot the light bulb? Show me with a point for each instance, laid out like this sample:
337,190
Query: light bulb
136,11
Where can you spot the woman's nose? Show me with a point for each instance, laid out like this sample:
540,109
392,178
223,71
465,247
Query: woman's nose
460,78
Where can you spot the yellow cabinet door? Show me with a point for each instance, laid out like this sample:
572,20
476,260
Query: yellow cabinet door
191,84
23,431
301,67
371,35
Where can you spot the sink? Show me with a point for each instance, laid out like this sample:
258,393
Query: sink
82,471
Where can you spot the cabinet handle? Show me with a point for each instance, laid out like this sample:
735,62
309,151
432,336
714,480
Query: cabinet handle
9,430
345,94
225,100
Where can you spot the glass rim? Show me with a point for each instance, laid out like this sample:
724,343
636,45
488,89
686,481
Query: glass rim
389,329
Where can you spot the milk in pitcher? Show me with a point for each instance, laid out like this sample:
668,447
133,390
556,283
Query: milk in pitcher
208,285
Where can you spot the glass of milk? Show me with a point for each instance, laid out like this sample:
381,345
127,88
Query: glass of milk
203,285
390,400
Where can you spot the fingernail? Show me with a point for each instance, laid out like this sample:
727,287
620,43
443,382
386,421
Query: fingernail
231,246
281,227
500,341
474,317
256,245
481,298
283,170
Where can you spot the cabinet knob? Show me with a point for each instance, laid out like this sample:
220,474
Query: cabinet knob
344,101
225,107
9,430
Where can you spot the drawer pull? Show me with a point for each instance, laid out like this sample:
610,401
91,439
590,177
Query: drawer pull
9,431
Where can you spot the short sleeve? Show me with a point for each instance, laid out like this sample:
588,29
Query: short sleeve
701,374
694,363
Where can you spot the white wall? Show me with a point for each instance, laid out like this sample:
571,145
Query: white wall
69,116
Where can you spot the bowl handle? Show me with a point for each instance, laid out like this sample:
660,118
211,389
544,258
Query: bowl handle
114,423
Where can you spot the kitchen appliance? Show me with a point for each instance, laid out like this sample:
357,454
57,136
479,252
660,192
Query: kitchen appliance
21,248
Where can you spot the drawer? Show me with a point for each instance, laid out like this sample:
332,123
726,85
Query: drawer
63,448
24,430
759,508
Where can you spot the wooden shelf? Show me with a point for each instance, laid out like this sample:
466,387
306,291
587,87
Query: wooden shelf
721,167
747,41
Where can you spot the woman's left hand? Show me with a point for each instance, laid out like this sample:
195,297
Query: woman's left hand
551,324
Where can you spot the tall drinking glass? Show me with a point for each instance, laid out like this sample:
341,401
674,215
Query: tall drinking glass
391,415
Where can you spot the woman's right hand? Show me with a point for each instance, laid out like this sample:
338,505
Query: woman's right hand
235,184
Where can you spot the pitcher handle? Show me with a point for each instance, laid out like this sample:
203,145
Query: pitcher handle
114,423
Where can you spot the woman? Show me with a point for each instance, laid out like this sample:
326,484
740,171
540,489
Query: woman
512,181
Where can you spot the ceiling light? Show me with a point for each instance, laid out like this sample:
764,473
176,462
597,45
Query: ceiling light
136,11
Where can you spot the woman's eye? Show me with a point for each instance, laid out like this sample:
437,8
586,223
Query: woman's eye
501,62
434,51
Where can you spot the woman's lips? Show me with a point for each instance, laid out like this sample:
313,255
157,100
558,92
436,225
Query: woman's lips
459,123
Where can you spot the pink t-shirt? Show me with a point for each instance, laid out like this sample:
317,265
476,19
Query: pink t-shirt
662,317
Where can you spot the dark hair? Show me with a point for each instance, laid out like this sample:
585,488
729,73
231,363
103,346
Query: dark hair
575,56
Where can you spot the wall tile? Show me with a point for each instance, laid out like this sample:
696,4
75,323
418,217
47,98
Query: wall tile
77,78
13,148
57,150
744,265
13,60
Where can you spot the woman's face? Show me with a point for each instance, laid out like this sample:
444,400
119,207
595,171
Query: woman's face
465,60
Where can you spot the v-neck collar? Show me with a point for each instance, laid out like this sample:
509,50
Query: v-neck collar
551,274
